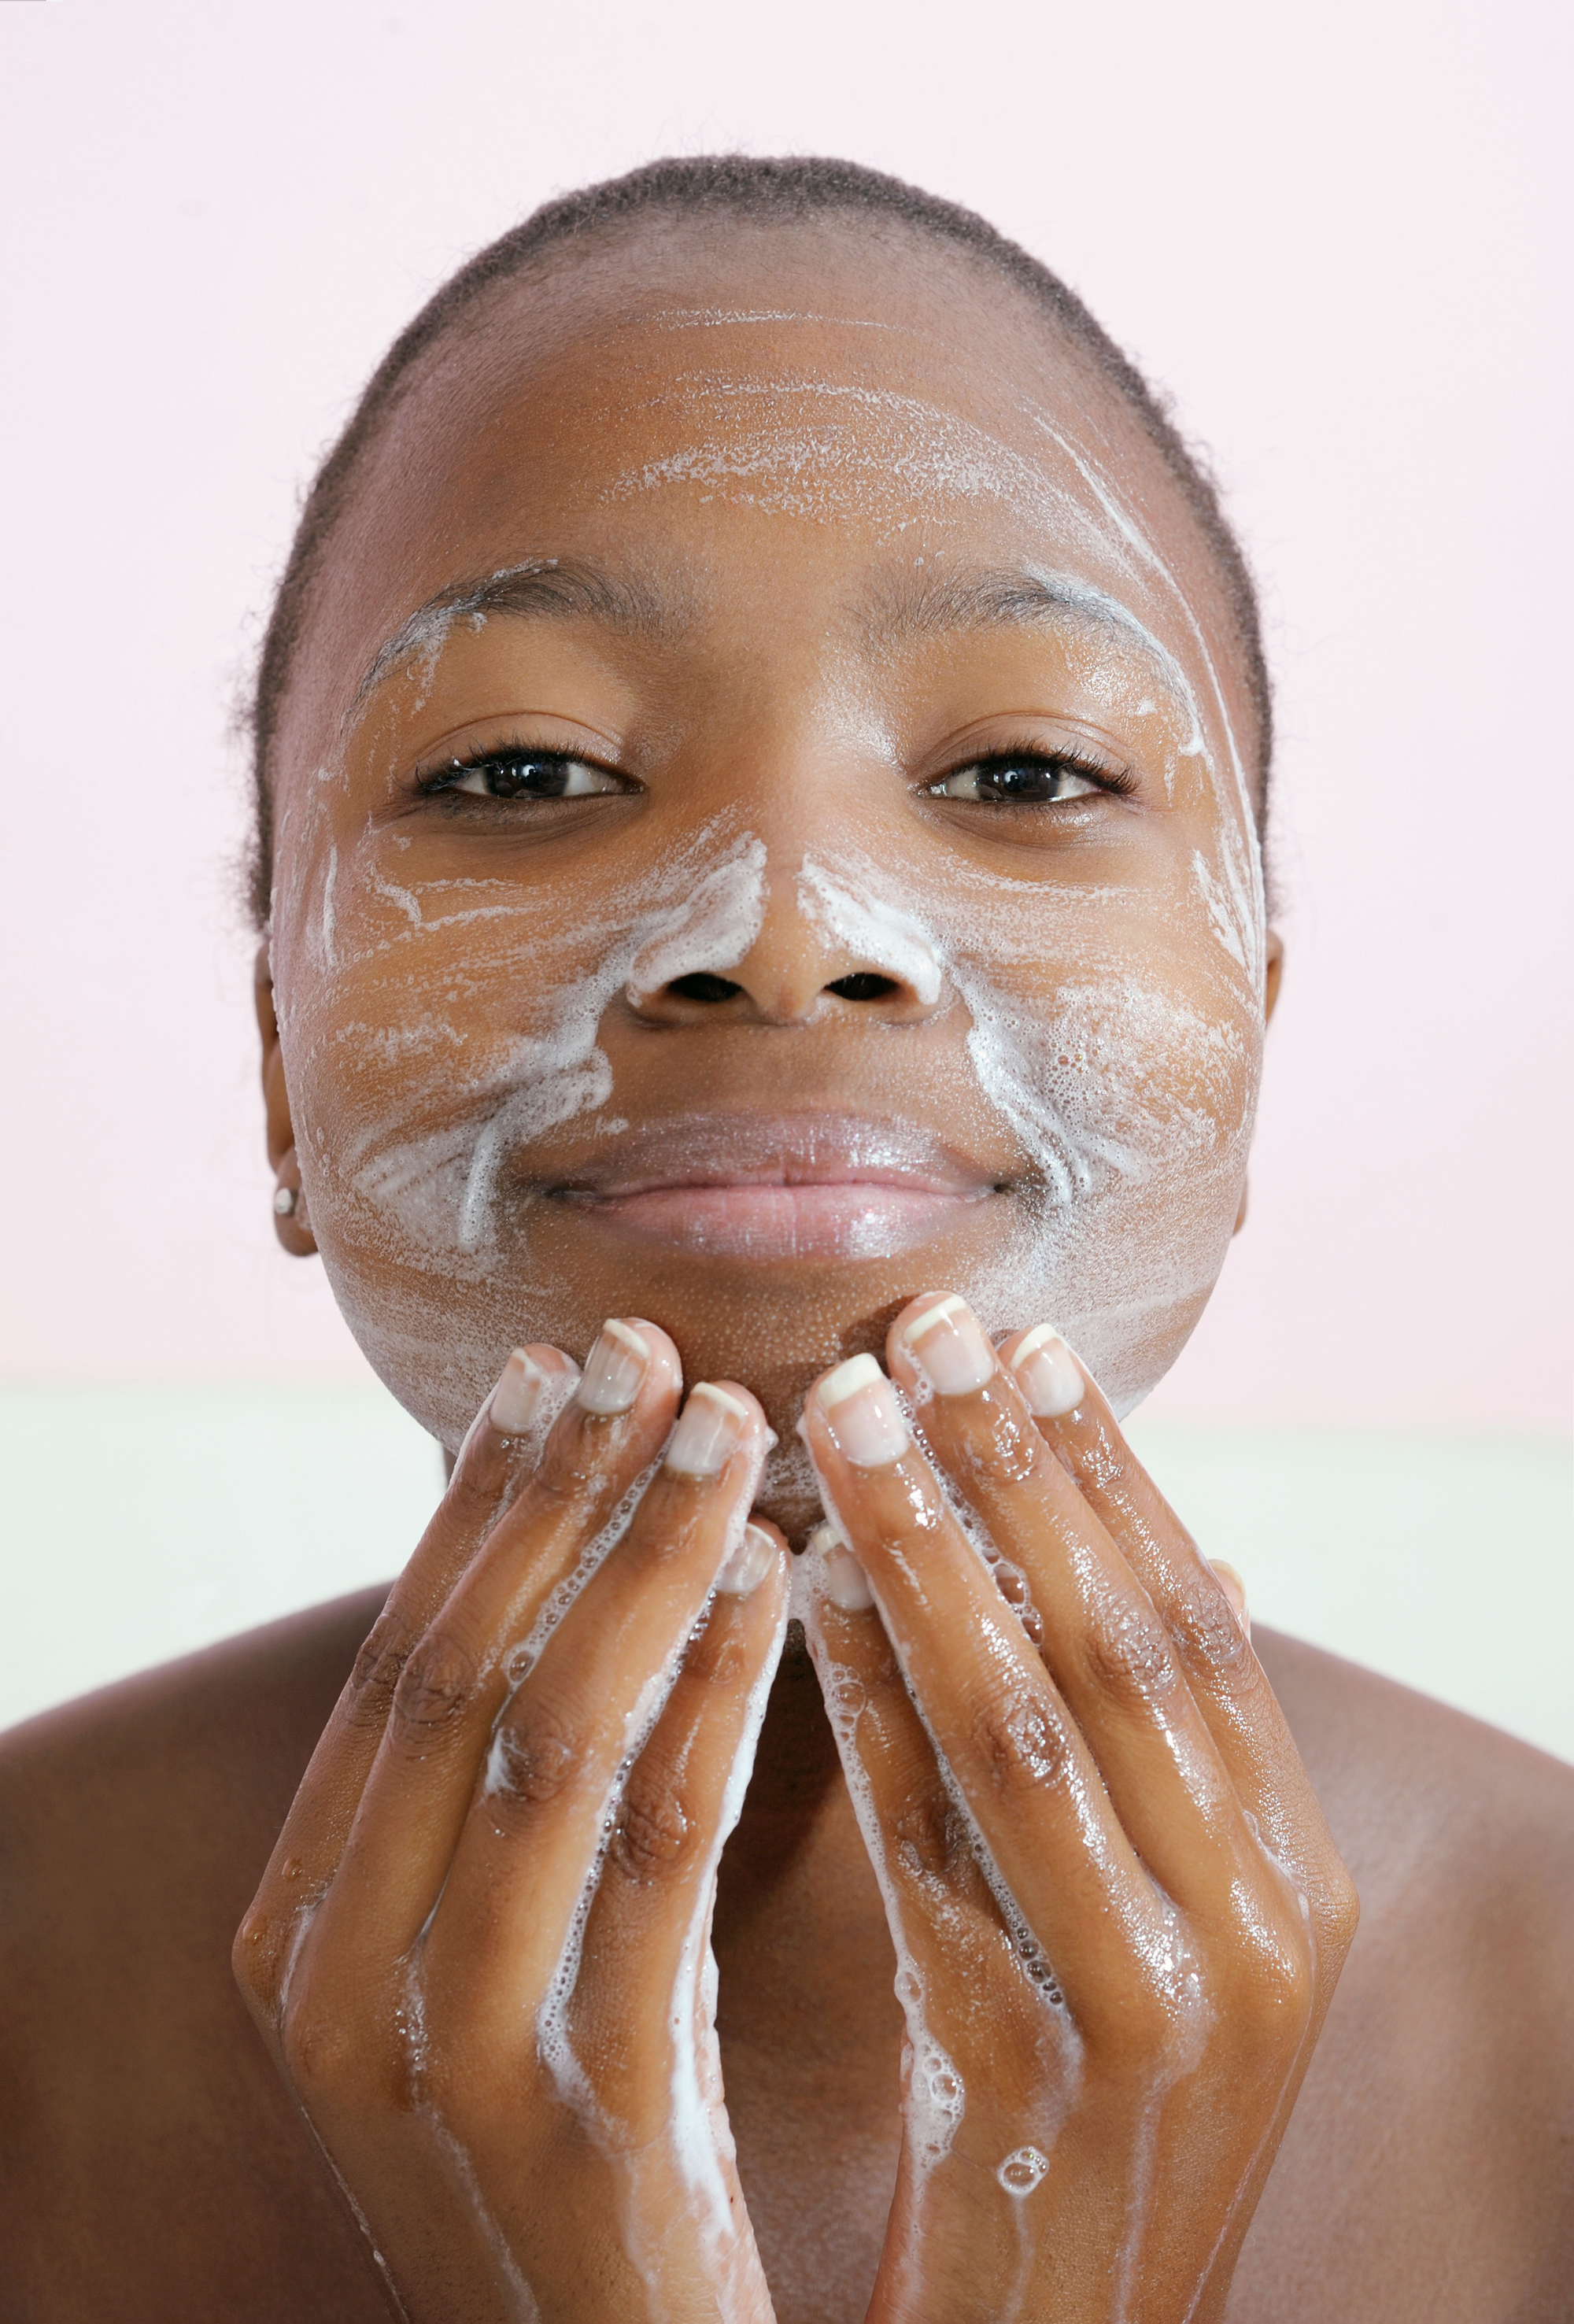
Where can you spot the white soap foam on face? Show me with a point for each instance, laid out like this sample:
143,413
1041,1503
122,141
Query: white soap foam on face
1127,1099
1123,1236
429,1110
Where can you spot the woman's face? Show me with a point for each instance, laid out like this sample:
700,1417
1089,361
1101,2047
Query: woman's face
762,833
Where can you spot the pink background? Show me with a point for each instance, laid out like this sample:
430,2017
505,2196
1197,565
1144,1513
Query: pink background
1332,234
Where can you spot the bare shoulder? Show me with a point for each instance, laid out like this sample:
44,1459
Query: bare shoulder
1429,2169
147,2153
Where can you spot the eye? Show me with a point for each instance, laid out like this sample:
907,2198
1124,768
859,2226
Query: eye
1024,780
524,774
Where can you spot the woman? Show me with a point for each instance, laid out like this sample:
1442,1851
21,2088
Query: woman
762,752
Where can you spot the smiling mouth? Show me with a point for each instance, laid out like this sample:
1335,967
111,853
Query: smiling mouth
769,1188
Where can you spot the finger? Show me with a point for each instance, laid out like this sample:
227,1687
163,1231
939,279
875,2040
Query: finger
435,1683
555,1764
973,1980
1101,1639
648,1925
1226,1681
1001,1725
499,1453
917,1835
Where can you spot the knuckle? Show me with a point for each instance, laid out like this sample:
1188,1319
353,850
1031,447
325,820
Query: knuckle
1278,2001
1337,1911
930,1841
474,1497
1127,1658
535,1754
256,1957
377,1669
438,1682
1021,1741
1211,1642
321,2052
715,1654
655,1836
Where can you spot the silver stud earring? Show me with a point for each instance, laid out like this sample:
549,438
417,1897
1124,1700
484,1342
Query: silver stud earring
285,1198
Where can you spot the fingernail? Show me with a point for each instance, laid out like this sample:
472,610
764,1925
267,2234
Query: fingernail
867,1426
1048,1375
749,1564
613,1369
843,1579
949,1348
1235,1590
516,1395
712,1423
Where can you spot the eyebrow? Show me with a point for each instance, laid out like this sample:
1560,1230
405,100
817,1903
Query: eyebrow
1012,596
1020,596
911,606
544,588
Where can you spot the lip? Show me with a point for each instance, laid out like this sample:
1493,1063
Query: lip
775,1187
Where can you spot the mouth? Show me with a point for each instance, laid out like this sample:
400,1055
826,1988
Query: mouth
774,1188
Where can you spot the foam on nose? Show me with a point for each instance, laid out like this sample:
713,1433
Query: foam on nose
710,930
872,928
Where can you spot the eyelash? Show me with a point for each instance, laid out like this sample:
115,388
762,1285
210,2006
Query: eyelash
447,778
1117,781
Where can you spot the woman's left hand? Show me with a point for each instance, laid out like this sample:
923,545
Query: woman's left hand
1117,1910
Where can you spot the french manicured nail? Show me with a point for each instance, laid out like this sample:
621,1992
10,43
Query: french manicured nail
613,1369
843,1579
709,1429
749,1564
1048,1375
518,1393
949,1348
863,1413
1235,1590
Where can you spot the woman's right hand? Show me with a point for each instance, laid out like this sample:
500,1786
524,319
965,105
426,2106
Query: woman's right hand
480,1952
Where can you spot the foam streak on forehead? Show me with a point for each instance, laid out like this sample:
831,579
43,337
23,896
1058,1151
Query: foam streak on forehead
825,451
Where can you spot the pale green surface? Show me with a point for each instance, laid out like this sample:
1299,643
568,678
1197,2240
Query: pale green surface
142,1521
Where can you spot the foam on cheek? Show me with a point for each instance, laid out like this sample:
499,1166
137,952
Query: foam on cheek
1134,1106
426,1106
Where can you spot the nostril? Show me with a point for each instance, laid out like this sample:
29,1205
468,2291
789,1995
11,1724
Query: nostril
703,987
862,986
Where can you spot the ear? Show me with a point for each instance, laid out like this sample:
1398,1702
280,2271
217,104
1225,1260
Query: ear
290,1224
1272,978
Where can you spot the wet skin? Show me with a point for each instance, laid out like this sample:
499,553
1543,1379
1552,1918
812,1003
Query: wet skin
774,674
800,665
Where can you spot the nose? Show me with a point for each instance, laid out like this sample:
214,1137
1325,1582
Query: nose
805,965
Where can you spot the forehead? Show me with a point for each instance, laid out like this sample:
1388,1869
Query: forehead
798,418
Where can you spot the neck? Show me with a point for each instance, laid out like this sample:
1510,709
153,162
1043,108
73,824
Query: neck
800,1930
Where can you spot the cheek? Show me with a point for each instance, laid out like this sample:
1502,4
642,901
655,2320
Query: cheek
1118,1035
433,1029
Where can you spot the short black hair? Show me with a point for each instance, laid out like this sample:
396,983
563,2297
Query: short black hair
783,191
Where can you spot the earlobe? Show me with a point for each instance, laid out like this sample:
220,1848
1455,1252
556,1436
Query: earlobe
1274,974
291,1223
1272,978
